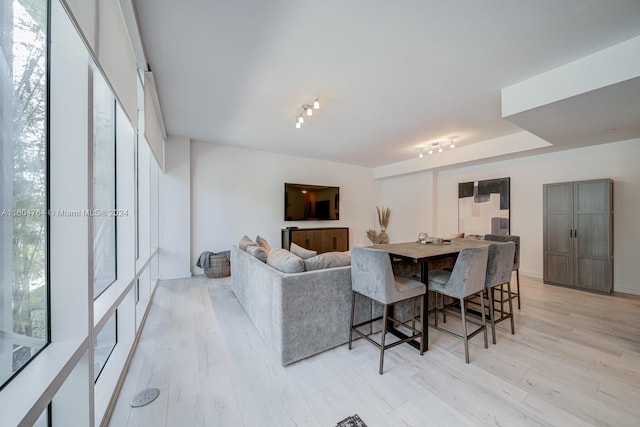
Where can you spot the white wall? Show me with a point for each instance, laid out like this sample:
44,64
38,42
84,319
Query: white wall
174,209
238,191
410,199
618,161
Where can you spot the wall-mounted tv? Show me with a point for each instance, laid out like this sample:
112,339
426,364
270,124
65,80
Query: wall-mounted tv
304,202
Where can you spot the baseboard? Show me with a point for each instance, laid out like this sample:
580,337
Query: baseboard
535,275
624,291
174,275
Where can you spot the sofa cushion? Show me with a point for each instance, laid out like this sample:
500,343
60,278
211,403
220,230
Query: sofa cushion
284,261
258,252
262,242
246,241
328,260
302,252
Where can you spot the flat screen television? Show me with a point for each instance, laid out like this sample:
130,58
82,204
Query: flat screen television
304,202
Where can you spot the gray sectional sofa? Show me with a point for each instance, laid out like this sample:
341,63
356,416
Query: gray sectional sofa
297,314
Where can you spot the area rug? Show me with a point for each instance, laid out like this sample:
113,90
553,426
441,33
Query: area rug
352,421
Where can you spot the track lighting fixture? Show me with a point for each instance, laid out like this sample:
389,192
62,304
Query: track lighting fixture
436,146
308,109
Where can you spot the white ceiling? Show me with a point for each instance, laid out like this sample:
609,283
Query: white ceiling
391,75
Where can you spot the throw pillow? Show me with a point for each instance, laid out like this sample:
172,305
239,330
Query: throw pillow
284,261
302,252
328,260
262,242
258,252
244,242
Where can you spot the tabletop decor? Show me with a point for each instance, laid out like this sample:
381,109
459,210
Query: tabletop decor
383,220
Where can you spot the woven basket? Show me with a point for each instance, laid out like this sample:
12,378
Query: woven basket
219,266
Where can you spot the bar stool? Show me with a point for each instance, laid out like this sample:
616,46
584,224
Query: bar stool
516,260
466,280
372,276
499,268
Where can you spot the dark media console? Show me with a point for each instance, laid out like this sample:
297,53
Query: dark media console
326,239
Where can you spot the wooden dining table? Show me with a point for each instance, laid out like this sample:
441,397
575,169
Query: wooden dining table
422,253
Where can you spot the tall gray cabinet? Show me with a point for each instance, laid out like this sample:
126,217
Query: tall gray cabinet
578,234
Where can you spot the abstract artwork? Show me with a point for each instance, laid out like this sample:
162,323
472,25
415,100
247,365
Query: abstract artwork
483,207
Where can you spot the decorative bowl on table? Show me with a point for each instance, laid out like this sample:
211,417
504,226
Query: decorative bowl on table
423,238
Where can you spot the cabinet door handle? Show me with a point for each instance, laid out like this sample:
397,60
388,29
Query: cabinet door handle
575,234
571,234
335,243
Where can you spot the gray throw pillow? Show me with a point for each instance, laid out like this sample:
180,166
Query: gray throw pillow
328,260
258,252
284,261
302,252
244,242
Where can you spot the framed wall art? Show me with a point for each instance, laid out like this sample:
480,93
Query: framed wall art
483,207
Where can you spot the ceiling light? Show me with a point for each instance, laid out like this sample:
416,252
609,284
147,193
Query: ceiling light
308,109
439,145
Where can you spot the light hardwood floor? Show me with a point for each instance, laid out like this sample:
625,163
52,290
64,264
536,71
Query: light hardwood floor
574,361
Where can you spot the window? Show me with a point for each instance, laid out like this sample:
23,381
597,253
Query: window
104,185
23,184
104,344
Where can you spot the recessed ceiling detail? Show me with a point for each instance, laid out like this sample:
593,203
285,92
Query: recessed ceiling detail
578,104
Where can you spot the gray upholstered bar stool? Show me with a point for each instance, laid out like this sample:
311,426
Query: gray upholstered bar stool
516,259
499,268
466,280
372,276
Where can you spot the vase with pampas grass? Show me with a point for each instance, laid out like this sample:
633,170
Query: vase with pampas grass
383,220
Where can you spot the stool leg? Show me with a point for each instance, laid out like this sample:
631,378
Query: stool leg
518,286
491,315
384,332
484,319
513,329
435,312
423,312
464,329
413,318
444,312
353,304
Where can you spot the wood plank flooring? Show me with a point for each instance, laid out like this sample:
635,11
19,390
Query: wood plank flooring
574,361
